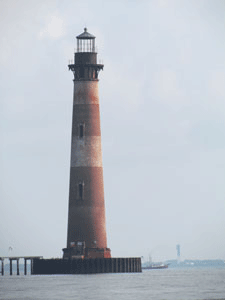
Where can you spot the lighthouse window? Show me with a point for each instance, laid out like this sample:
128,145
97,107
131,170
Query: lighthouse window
81,130
81,190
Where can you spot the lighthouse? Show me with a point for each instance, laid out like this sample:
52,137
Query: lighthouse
86,233
86,251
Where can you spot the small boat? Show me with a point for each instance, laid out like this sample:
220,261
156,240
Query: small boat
155,266
151,265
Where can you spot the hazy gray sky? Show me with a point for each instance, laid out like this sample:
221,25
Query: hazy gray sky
162,96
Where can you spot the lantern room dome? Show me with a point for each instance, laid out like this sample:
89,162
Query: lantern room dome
85,35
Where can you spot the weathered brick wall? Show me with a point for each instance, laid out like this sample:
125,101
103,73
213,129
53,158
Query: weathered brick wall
86,221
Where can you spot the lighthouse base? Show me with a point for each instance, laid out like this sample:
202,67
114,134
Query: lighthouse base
85,252
86,266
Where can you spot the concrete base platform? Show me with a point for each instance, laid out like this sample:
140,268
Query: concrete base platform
86,266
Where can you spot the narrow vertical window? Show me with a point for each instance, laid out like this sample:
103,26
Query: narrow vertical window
81,190
81,131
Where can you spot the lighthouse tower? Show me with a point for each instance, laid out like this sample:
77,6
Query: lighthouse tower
86,236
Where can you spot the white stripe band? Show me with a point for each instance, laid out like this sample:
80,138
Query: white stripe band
86,151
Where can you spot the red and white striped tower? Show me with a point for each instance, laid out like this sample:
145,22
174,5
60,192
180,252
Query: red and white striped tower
86,220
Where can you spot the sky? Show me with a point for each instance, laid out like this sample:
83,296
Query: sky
162,107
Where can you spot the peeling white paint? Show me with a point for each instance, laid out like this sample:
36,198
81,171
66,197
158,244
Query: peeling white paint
86,92
86,151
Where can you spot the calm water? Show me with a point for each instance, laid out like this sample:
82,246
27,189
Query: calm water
150,284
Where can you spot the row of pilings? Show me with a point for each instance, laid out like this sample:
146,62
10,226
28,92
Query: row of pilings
40,266
17,259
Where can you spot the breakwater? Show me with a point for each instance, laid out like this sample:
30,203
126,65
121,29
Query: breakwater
86,266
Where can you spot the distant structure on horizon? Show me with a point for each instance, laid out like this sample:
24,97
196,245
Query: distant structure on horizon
86,236
178,252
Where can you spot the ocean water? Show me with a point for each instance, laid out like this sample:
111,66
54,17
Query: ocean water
168,284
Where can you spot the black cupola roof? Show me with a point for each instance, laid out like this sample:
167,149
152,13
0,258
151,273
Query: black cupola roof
85,35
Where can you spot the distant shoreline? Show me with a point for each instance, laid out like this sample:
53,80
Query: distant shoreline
190,263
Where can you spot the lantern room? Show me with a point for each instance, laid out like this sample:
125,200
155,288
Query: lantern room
85,66
85,42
